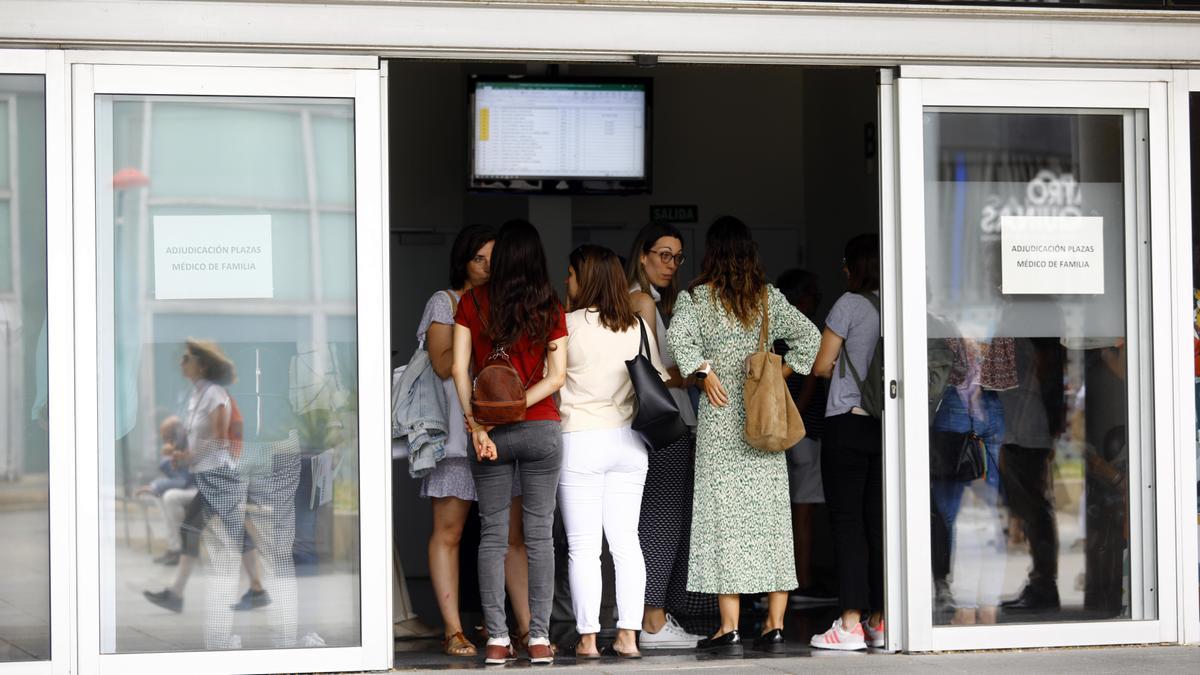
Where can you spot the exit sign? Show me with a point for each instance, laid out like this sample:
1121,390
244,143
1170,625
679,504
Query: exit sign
675,213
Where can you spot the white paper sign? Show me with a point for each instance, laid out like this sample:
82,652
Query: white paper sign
1051,255
212,257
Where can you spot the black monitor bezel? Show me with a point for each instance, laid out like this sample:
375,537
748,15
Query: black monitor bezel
561,185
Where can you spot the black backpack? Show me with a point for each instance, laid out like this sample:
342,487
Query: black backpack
870,387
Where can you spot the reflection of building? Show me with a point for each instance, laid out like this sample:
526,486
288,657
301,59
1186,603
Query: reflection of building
20,318
311,205
343,122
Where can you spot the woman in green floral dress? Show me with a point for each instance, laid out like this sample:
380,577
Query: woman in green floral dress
741,523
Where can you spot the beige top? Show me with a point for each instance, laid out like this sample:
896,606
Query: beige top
598,393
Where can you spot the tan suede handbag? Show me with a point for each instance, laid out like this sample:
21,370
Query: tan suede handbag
773,422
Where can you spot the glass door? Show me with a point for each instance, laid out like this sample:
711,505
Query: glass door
34,319
229,240
1038,453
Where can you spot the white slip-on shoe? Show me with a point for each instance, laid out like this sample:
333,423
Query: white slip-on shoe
670,636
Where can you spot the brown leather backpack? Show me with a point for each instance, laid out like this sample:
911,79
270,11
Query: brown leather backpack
498,394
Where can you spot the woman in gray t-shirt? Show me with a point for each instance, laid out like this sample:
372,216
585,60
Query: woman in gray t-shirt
852,454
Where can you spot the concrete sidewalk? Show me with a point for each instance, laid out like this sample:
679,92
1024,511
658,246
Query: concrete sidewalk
1085,661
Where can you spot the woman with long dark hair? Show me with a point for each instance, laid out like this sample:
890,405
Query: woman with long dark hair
450,487
665,524
741,528
852,453
604,461
519,313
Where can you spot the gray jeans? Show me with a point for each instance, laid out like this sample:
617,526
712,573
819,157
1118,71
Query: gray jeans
535,447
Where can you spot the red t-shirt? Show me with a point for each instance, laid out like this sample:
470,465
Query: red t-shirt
527,357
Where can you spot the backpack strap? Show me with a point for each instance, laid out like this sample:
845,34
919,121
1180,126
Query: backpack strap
871,298
843,361
843,357
501,351
478,311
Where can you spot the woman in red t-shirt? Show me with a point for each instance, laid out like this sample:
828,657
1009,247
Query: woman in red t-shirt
519,311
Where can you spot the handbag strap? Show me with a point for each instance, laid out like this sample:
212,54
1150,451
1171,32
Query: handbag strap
644,350
453,301
766,321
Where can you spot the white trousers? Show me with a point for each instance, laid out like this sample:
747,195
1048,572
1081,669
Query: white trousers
174,505
980,548
600,494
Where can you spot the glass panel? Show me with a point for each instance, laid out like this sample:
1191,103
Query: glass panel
229,512
1034,392
24,442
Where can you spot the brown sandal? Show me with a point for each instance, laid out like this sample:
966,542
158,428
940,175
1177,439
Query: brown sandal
458,645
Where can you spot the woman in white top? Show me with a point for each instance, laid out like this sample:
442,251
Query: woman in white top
206,423
604,461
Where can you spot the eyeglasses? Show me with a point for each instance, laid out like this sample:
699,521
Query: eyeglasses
480,260
666,256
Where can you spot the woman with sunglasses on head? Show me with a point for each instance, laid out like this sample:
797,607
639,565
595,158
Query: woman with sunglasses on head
604,460
516,314
450,487
741,528
666,515
211,442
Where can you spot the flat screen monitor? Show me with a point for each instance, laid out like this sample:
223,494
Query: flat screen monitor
555,135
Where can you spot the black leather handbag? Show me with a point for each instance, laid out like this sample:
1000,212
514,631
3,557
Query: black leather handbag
956,456
657,419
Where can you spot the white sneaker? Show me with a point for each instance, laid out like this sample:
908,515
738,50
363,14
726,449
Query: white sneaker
839,638
670,636
875,636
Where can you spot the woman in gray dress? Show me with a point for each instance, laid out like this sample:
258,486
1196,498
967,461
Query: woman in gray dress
741,524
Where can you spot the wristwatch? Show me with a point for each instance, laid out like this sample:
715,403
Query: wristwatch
703,372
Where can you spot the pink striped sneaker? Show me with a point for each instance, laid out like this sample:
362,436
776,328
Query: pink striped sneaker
839,638
875,636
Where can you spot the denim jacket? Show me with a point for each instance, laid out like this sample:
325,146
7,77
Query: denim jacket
419,414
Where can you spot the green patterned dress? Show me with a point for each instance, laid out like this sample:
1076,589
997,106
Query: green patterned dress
742,519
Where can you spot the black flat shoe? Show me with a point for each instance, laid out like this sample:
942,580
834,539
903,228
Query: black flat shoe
771,642
729,644
1031,600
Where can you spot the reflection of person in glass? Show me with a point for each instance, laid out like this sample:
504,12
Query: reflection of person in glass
982,367
206,422
1033,414
229,474
1106,478
175,489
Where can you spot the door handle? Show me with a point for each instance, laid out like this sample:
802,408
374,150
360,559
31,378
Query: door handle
893,389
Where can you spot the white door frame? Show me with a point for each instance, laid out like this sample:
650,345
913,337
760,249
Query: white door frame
1024,88
238,75
60,335
889,274
1184,83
